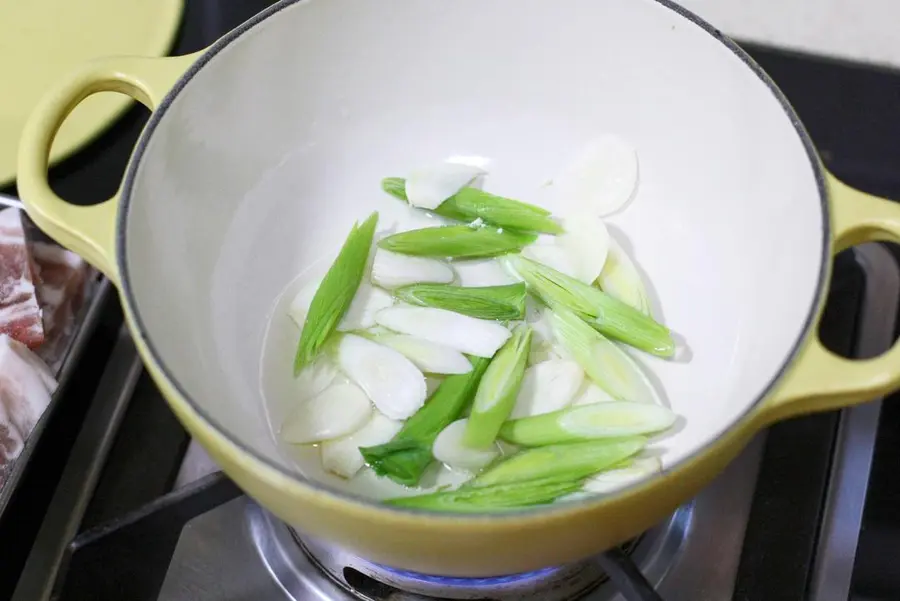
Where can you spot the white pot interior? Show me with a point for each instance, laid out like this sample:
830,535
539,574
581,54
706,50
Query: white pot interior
263,161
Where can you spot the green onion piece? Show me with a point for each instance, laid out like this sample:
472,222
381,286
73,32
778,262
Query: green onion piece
606,314
611,368
497,392
405,458
562,462
335,293
456,242
488,498
588,422
470,204
396,187
504,303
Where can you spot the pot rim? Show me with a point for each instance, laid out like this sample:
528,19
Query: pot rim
129,298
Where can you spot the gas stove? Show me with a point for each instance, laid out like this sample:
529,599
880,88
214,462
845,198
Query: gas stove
808,510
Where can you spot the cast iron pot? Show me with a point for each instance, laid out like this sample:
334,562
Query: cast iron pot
264,148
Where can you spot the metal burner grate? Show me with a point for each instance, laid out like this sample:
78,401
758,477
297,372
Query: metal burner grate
372,582
369,581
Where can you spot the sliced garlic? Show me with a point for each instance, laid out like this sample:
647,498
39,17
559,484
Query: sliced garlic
546,387
449,449
431,358
393,383
392,270
342,456
337,411
466,334
368,301
604,177
428,187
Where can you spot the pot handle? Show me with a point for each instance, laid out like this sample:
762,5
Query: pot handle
819,379
87,230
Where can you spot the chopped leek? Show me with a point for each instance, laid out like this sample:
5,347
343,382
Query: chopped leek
608,315
563,462
456,242
504,303
587,422
469,204
497,392
490,498
611,368
336,292
621,279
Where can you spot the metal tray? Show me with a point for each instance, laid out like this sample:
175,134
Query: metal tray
98,291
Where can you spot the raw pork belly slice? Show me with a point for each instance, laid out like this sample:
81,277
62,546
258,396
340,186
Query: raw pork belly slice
62,278
20,313
26,385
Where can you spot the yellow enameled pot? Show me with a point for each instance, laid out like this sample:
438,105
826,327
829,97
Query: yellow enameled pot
264,148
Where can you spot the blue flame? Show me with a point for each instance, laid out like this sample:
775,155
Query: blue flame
493,581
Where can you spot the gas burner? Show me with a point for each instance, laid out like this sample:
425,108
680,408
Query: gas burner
239,548
374,582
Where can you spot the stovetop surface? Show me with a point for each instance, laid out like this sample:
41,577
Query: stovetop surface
851,113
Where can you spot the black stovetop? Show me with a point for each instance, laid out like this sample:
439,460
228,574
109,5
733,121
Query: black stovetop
852,114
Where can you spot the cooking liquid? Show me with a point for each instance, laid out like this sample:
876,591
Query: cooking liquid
281,392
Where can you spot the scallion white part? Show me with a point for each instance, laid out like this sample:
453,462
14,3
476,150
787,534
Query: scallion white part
392,270
547,387
615,479
336,411
449,449
393,383
342,457
604,177
588,422
621,279
428,187
428,356
466,334
611,368
368,301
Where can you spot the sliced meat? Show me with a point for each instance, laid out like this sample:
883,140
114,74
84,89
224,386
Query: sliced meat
26,385
20,312
63,277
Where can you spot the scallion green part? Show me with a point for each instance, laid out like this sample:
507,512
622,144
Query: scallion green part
562,462
470,204
491,498
503,303
588,422
496,395
456,242
610,367
406,457
608,315
335,293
